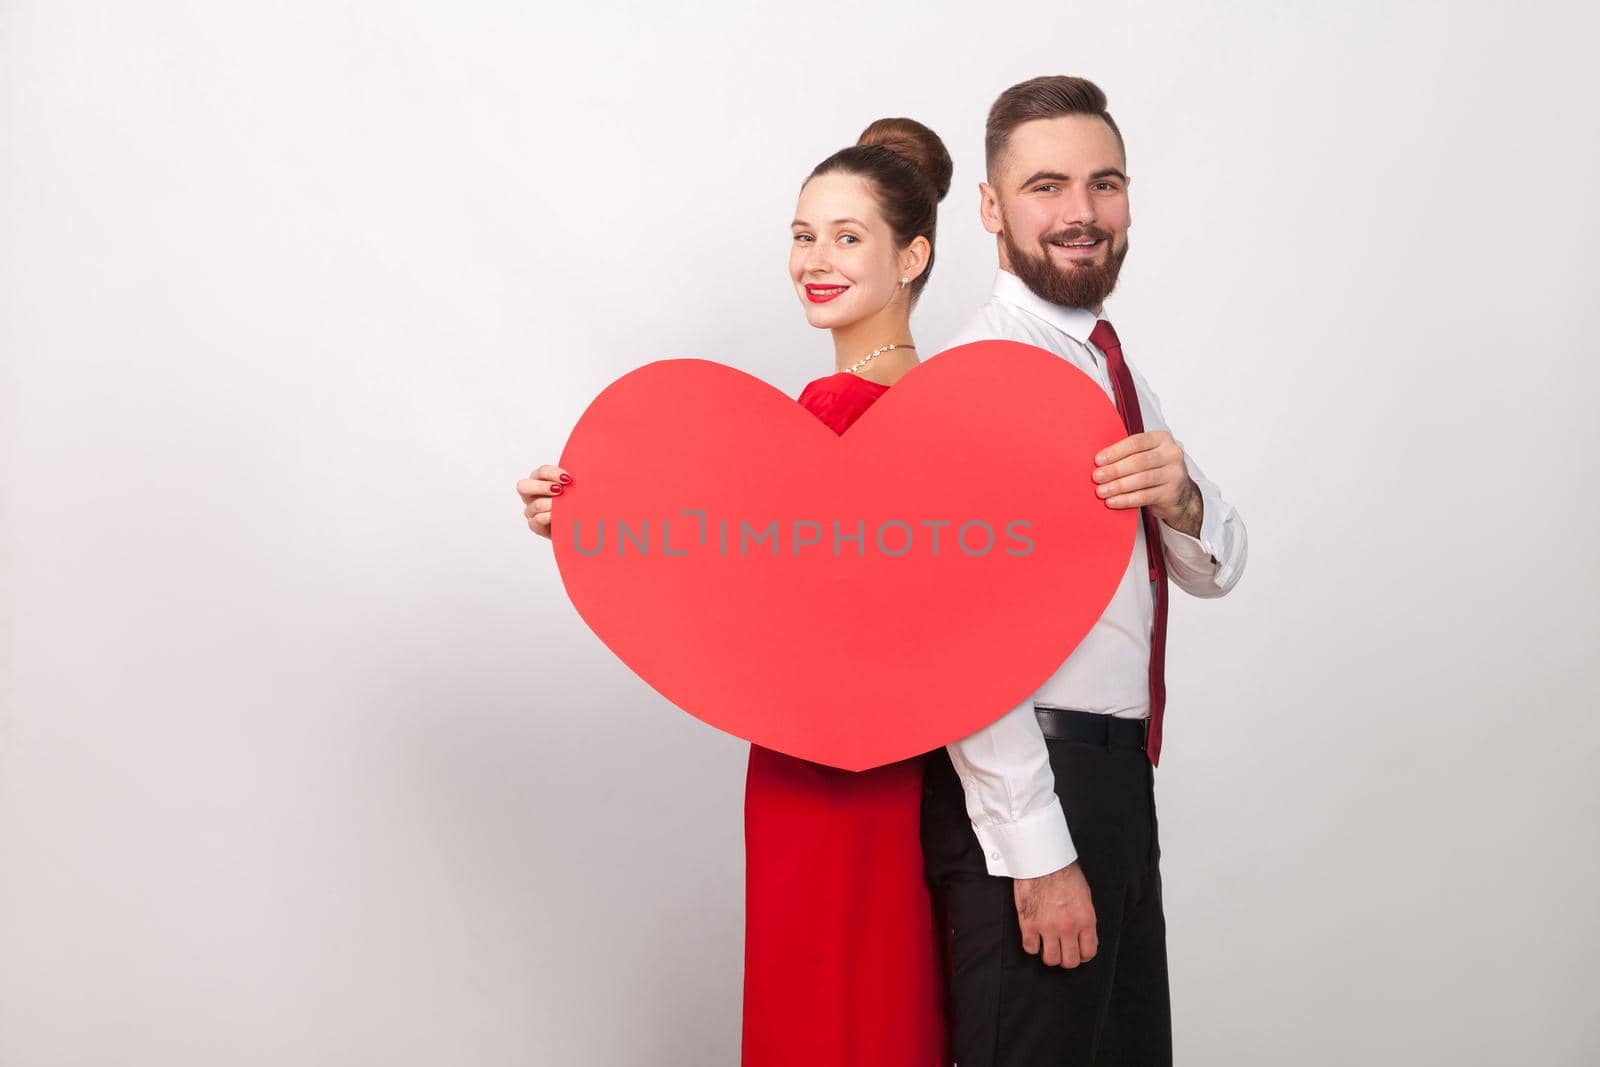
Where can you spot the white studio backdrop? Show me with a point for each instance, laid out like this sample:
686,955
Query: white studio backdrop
306,759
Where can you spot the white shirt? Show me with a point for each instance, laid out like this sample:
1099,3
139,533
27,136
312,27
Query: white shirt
1005,767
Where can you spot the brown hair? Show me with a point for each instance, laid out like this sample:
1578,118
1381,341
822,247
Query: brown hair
1042,98
910,171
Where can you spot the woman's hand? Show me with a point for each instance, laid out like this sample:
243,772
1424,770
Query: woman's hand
537,491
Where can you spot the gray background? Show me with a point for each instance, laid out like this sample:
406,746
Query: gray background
306,759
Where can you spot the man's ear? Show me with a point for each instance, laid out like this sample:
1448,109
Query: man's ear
989,208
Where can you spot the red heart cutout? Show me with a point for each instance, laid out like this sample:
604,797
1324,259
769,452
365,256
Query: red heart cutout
843,653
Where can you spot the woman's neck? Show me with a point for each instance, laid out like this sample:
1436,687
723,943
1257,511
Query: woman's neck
892,325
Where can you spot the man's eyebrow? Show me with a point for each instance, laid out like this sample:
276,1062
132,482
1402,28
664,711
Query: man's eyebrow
1041,175
1057,176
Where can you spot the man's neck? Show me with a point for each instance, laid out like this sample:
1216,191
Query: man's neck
1098,312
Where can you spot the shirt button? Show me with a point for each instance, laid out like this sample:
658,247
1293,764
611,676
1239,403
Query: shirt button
994,855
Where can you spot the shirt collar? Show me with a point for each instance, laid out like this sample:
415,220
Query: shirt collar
1077,323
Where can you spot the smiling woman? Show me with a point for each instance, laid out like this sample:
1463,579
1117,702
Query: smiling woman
863,235
841,948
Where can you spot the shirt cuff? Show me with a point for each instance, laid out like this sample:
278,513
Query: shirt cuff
1033,846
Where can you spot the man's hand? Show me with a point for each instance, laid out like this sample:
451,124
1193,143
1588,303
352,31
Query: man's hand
1057,917
537,491
1147,471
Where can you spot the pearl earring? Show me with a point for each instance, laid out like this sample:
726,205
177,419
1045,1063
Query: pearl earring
903,283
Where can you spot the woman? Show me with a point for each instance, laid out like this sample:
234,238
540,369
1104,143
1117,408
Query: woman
841,951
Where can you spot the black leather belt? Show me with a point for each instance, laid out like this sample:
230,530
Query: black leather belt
1060,724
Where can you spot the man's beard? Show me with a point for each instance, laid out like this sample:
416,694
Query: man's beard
1075,285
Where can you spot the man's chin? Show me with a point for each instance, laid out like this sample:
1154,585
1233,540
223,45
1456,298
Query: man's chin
1065,279
1066,261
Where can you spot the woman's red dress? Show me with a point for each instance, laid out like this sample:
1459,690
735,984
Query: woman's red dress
842,963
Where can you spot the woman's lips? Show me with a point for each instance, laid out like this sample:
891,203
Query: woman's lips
821,294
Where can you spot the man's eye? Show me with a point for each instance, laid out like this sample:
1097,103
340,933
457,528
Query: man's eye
1109,186
1045,189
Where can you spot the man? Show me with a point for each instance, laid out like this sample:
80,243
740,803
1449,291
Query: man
1044,823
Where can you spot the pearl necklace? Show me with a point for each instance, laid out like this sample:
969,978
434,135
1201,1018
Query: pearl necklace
864,360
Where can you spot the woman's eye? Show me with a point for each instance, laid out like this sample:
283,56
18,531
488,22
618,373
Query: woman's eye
802,237
850,238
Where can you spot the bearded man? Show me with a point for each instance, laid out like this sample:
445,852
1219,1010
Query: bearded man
1039,831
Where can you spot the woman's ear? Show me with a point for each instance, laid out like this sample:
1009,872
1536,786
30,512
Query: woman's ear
913,258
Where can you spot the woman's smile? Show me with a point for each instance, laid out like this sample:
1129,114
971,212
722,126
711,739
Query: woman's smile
821,294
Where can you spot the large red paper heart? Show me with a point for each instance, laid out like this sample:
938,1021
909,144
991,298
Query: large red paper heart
849,653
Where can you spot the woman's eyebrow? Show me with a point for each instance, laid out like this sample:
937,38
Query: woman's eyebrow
836,222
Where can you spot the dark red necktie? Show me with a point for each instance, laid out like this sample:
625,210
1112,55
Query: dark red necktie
1105,339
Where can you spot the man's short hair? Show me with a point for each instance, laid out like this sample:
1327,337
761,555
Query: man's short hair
1042,98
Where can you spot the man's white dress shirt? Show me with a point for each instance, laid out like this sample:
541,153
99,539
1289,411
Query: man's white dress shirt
1005,767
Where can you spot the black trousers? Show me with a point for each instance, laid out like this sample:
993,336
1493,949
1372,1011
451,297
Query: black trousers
1007,1008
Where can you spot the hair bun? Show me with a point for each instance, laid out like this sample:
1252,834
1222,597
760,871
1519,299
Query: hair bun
913,141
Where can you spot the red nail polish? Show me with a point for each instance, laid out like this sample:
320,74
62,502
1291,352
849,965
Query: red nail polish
555,490
565,478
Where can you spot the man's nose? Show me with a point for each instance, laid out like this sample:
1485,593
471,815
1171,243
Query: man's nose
1077,208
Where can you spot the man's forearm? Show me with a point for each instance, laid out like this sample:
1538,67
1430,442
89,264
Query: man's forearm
1011,798
1191,510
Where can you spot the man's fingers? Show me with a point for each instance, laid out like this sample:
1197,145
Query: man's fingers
1148,479
1061,950
1126,447
1140,499
1139,461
